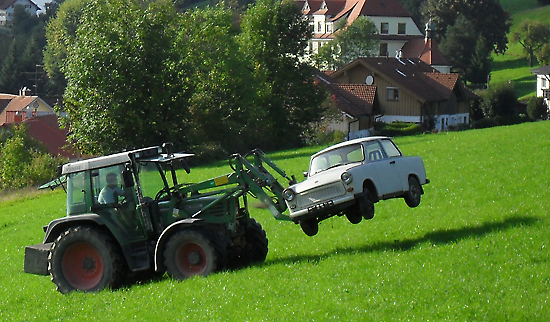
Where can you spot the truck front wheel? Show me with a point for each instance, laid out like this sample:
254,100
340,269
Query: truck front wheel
189,253
84,259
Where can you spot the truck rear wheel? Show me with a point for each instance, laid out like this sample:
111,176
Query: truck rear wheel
412,197
189,253
85,259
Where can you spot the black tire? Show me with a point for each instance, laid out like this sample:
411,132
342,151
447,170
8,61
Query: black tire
412,197
366,205
189,253
354,214
310,226
256,248
85,259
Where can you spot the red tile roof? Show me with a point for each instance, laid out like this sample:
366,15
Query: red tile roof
356,100
45,128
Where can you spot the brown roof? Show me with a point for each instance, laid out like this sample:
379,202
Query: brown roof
14,104
355,8
354,99
414,75
425,49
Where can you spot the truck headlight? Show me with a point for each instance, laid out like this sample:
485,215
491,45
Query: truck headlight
346,177
289,194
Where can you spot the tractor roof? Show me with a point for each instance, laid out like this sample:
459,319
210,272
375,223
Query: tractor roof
153,154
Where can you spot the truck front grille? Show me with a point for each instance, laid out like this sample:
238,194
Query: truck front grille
316,195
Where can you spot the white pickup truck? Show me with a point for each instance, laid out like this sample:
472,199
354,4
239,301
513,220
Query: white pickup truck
349,177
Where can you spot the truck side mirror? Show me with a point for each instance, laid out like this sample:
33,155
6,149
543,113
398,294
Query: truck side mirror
128,178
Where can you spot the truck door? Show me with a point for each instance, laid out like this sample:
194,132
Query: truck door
385,167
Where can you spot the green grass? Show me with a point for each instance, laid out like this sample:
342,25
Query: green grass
513,65
476,249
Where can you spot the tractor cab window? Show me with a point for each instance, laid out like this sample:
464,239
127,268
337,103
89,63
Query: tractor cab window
107,185
76,192
150,178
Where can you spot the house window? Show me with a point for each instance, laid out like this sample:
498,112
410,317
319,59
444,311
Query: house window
329,28
319,26
384,28
384,49
543,84
392,93
401,28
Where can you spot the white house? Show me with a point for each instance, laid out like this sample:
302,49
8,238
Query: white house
395,24
543,82
7,7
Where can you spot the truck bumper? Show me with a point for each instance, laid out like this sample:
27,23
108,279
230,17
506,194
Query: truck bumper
36,259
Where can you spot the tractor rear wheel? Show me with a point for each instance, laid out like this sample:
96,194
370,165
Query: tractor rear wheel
189,253
85,259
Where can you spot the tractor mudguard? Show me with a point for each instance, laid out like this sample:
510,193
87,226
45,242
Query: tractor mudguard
57,226
165,235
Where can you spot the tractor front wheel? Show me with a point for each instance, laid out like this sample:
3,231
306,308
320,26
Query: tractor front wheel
85,259
189,253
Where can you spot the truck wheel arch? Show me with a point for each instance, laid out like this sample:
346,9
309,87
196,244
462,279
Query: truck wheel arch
58,226
371,187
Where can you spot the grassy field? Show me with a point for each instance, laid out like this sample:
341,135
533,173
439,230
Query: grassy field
476,249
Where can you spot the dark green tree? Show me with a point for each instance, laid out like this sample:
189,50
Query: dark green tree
274,38
60,32
10,72
488,17
459,44
480,63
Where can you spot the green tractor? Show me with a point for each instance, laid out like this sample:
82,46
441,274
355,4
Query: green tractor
128,214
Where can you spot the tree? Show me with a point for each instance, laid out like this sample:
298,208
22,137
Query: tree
459,44
220,84
499,100
122,91
532,35
543,55
487,16
351,42
274,38
480,63
60,32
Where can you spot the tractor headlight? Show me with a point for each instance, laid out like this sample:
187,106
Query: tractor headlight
289,194
346,177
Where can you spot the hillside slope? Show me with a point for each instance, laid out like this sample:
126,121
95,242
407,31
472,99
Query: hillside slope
513,65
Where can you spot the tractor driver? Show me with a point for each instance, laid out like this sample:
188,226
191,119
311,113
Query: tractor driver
111,192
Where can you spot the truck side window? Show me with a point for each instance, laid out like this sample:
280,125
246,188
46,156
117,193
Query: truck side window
390,149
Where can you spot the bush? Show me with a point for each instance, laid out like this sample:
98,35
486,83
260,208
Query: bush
499,100
398,128
24,162
537,109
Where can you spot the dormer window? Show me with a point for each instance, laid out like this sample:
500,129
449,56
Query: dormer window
384,28
402,28
319,26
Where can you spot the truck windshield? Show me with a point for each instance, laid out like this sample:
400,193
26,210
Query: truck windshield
333,158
